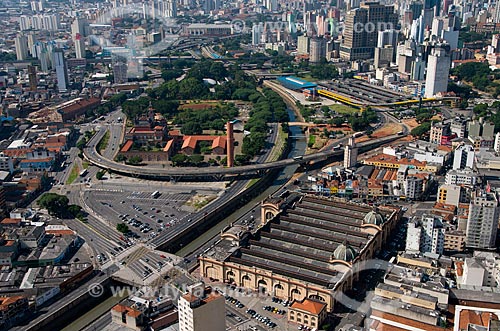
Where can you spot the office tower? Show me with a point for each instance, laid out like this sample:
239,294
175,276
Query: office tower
21,43
416,9
463,157
482,221
418,69
387,37
350,154
32,77
361,29
302,45
202,309
61,69
383,57
257,33
317,50
438,70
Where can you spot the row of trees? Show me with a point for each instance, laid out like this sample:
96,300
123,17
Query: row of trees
268,107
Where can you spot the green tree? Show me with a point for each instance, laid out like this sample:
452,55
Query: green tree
191,128
122,227
134,160
55,204
100,174
196,159
421,130
179,159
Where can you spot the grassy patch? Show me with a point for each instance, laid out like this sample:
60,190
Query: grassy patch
200,201
85,165
252,182
75,172
343,109
280,145
103,143
312,141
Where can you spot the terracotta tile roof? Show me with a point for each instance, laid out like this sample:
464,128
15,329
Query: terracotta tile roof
127,146
191,141
45,159
310,306
168,146
11,221
220,141
129,310
174,133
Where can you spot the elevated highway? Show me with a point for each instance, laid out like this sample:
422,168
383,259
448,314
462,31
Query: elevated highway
217,173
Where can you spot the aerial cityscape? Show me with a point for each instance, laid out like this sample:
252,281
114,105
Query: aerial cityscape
214,165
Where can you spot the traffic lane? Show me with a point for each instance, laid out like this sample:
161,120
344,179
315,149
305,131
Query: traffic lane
166,236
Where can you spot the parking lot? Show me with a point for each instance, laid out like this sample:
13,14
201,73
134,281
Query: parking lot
247,310
145,215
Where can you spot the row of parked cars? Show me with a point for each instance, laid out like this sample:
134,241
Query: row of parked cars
263,319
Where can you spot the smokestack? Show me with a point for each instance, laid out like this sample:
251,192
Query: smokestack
230,144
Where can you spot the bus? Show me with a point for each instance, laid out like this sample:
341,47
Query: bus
83,172
155,194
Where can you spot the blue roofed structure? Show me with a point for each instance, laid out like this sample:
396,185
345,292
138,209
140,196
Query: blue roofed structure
295,83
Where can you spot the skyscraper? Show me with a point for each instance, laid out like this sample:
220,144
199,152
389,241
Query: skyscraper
202,309
361,29
438,70
317,50
61,69
120,72
497,12
425,235
21,47
257,33
350,154
79,47
482,221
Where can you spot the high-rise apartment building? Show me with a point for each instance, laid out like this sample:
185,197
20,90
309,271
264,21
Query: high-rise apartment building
425,235
438,71
21,43
482,221
303,44
61,69
350,154
79,47
202,309
317,50
463,157
362,26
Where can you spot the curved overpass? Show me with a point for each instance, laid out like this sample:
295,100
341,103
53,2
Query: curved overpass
95,158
